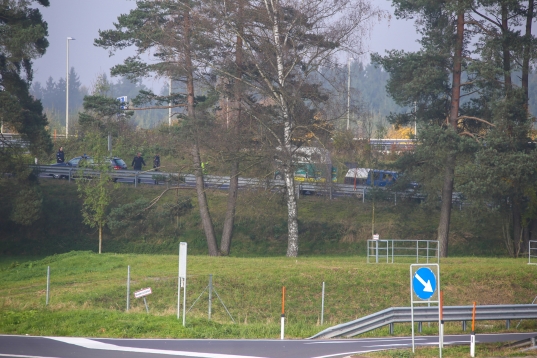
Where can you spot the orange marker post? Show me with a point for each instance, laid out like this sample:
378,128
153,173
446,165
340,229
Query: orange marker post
472,337
283,314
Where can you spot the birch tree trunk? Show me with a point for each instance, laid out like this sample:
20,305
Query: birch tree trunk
273,11
100,237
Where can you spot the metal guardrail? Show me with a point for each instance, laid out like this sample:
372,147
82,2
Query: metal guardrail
329,189
389,250
394,315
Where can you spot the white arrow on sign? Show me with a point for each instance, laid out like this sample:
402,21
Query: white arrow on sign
426,285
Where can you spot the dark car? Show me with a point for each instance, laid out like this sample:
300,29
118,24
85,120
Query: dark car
115,164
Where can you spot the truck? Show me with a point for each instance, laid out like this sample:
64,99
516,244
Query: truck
312,164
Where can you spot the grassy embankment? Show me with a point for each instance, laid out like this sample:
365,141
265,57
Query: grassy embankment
327,227
88,294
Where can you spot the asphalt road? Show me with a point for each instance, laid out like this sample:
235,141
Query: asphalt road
72,347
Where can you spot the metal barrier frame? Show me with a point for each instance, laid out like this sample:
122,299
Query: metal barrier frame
388,249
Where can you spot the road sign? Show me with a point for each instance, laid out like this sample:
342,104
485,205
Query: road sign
143,292
123,102
424,283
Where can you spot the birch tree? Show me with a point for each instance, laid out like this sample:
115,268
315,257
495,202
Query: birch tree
285,43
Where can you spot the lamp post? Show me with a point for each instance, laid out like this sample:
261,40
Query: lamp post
170,102
349,93
67,91
415,121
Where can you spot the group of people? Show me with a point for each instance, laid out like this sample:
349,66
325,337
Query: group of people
137,162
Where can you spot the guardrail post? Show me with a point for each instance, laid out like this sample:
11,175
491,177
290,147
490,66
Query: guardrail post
135,179
331,193
391,329
507,324
70,174
419,326
464,326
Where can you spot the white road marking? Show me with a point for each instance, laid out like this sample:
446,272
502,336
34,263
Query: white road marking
348,353
23,356
91,344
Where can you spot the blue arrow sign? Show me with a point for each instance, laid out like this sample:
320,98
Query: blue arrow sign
424,283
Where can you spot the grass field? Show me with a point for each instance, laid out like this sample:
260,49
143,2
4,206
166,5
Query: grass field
88,294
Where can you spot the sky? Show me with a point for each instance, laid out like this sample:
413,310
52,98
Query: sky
82,19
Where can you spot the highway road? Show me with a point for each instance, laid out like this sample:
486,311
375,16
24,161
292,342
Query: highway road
72,347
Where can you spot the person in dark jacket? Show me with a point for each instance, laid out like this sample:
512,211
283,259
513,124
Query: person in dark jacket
137,162
60,157
156,162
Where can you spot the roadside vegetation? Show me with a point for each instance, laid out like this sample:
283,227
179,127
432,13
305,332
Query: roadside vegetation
88,294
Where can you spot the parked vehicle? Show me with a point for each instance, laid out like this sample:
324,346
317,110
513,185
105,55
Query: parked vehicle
370,177
87,161
313,165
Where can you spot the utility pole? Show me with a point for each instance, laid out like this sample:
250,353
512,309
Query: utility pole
349,92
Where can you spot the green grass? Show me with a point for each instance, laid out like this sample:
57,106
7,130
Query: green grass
88,294
482,350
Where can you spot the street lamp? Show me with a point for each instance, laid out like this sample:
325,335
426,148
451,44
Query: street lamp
349,93
67,91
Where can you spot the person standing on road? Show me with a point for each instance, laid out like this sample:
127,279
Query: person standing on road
60,157
156,162
137,162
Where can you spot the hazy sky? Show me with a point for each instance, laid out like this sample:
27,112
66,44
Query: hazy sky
82,19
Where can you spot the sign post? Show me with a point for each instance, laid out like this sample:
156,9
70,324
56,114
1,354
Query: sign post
142,293
424,289
182,280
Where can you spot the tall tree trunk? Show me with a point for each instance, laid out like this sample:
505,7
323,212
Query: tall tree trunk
273,12
100,237
292,212
506,50
516,211
527,52
447,189
206,220
227,233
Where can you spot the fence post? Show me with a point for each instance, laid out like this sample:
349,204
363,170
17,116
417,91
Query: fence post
210,294
48,284
128,285
322,305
